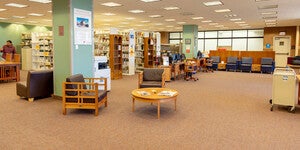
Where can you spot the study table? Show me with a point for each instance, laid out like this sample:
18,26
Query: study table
9,70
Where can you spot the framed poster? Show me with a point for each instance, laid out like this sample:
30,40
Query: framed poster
187,41
82,27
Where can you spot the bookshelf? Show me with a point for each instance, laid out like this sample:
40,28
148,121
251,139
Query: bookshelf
125,53
149,53
101,45
115,56
139,52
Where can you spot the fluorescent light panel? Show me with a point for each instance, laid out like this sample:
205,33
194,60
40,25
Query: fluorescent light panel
41,1
261,0
130,18
197,18
268,7
236,19
222,10
206,21
240,22
213,3
145,21
148,1
16,5
1,9
35,14
18,17
2,18
136,11
181,22
155,16
171,8
169,20
108,14
111,4
230,15
270,17
269,13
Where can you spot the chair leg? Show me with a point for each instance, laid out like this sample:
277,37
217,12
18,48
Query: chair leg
30,99
64,111
105,104
96,111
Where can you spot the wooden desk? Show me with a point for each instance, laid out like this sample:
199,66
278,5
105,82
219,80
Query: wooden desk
153,95
9,70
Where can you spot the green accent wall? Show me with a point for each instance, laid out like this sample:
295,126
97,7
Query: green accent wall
13,32
69,59
190,33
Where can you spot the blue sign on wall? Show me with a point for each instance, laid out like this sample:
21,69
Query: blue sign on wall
268,45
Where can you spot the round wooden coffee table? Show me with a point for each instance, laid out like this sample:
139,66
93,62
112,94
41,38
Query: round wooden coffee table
154,95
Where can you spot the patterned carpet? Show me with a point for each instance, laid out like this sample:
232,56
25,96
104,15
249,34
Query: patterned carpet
222,110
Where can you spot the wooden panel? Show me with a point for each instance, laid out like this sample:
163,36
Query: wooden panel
224,54
257,55
164,37
270,32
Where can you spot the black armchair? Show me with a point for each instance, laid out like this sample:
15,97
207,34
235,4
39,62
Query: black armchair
232,63
246,64
267,65
215,62
38,84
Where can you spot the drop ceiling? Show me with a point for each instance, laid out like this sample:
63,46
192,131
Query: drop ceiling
242,14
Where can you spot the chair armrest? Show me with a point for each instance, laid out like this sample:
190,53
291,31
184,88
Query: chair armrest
140,80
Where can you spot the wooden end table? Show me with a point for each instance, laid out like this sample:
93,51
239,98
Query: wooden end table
154,95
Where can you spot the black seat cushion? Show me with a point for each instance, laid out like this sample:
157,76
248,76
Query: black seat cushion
74,78
101,95
147,84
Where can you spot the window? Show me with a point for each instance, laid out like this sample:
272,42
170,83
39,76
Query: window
244,40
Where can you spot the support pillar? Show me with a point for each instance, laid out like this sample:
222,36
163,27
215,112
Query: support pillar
190,40
72,40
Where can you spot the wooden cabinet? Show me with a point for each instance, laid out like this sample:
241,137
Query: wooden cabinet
148,52
115,56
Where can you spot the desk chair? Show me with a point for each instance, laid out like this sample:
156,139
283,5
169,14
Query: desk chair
190,69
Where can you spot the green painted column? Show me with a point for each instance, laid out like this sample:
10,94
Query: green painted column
73,40
190,40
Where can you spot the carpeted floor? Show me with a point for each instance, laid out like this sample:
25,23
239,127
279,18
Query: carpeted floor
222,110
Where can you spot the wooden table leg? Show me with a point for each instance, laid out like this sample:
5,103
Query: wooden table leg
158,110
132,104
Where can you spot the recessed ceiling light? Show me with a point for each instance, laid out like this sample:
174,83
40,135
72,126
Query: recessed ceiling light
16,5
41,1
108,14
236,19
19,17
145,21
171,8
213,24
269,13
169,20
206,21
124,23
182,22
271,20
32,21
268,7
213,3
270,17
147,1
261,0
230,15
222,10
2,9
271,23
158,24
243,24
2,18
136,11
155,16
50,11
130,18
197,18
111,4
240,22
35,14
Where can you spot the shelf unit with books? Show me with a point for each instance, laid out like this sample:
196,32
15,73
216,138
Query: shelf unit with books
139,52
115,56
149,52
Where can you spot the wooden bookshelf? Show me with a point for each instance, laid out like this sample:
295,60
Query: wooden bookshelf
115,56
148,52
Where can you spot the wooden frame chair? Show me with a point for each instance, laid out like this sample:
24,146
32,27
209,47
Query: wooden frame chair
84,93
151,77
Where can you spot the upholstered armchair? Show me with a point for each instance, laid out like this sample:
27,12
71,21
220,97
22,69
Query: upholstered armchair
246,64
39,84
232,63
84,93
216,61
267,65
151,77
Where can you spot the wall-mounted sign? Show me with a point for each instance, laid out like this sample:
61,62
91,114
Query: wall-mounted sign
268,45
82,27
187,41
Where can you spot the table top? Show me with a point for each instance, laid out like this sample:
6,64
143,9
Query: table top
154,93
9,63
